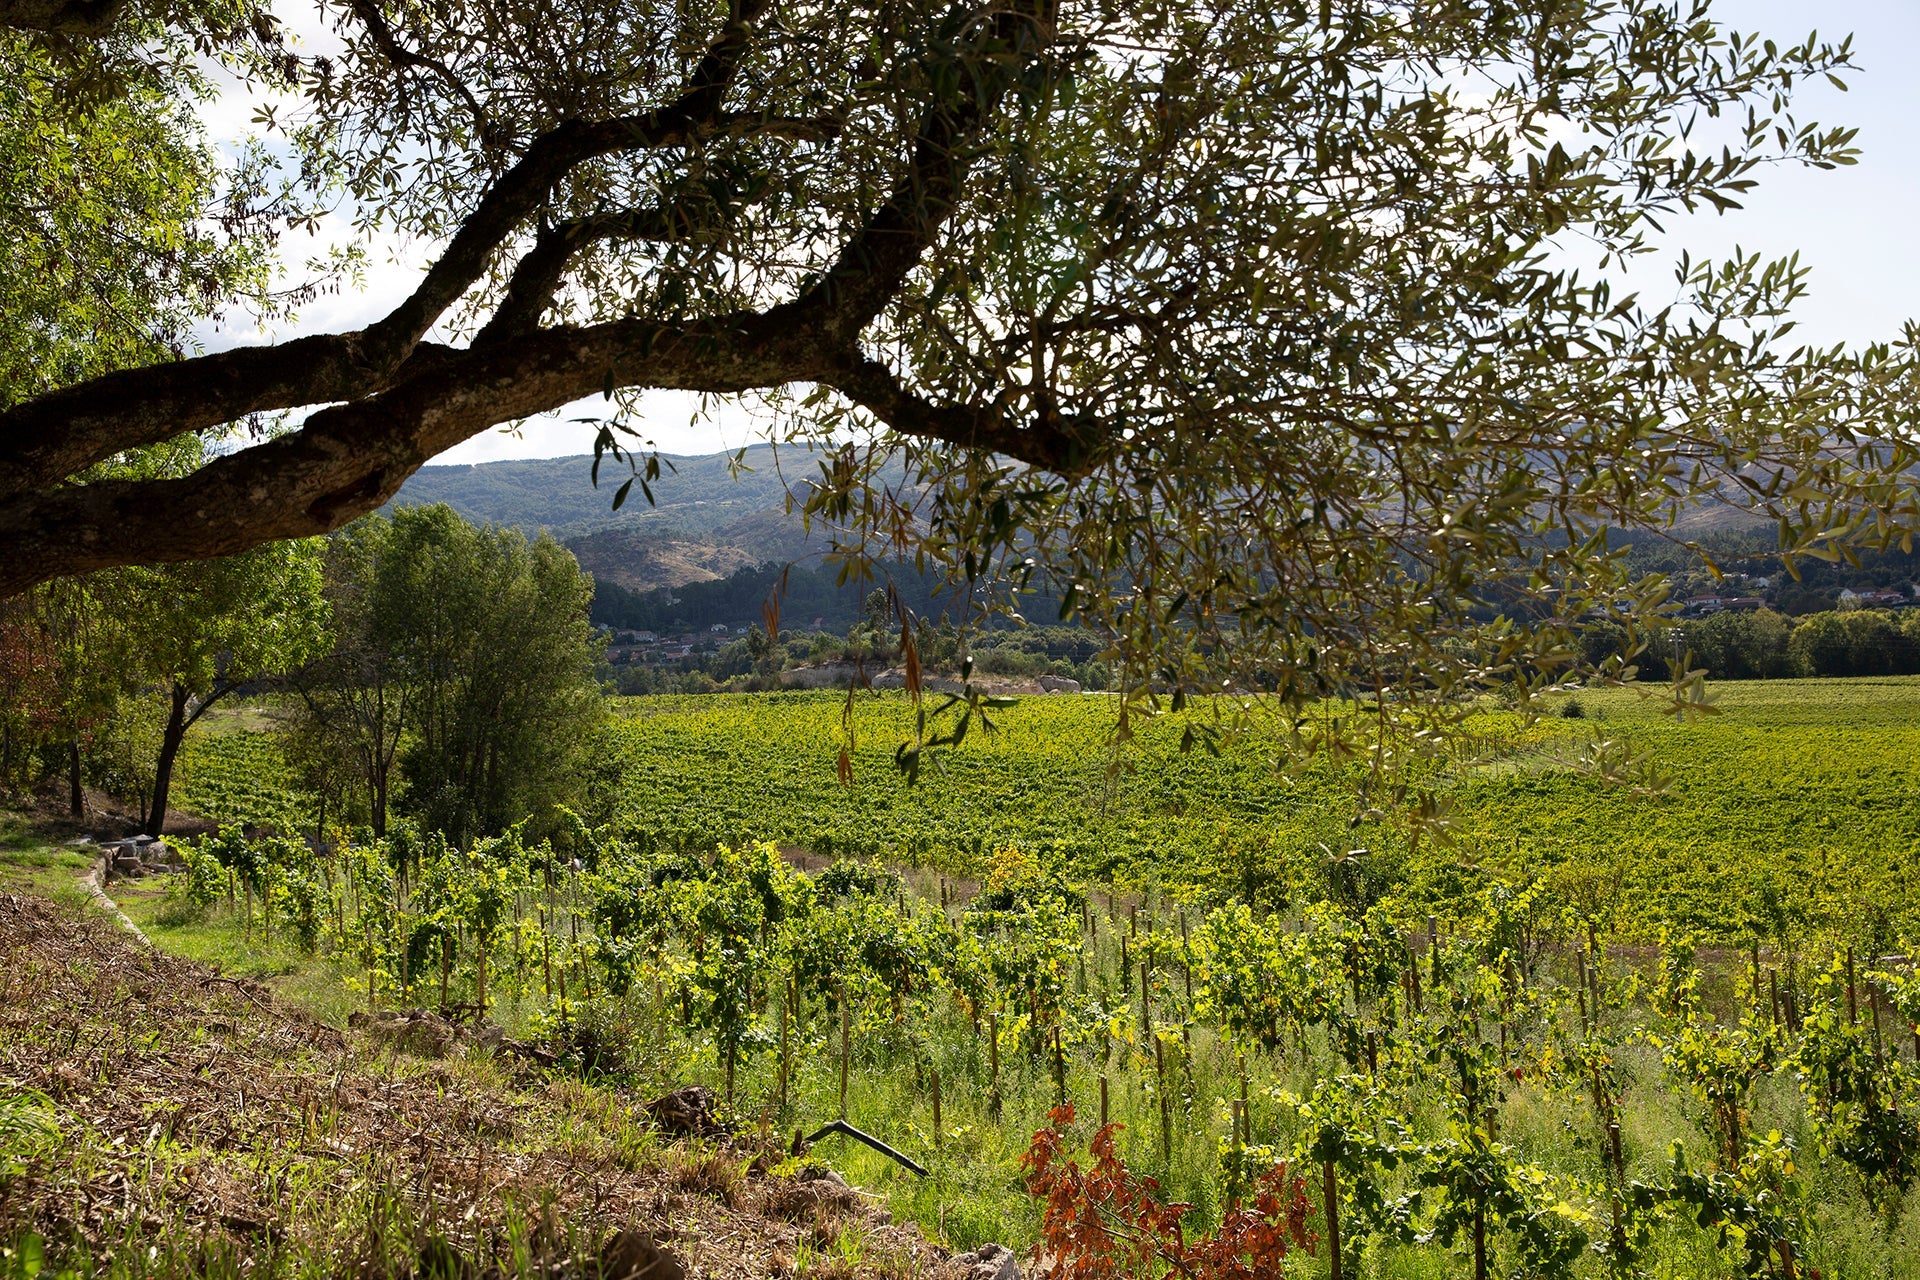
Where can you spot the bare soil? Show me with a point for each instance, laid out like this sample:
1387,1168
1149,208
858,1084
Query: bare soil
160,1110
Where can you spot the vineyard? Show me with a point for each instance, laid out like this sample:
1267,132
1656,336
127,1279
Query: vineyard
1517,1095
1791,809
1597,1034
1789,813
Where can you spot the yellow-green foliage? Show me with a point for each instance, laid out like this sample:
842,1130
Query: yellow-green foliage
1789,812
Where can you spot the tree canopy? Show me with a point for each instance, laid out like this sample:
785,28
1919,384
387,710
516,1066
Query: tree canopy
461,666
1246,328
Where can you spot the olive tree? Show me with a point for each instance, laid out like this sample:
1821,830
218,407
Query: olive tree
1245,328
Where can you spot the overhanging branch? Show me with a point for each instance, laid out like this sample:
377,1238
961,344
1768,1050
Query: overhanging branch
62,17
48,439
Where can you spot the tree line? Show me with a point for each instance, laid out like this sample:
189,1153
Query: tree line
1764,645
426,666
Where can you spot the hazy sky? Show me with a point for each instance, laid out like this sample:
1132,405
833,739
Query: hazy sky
1858,228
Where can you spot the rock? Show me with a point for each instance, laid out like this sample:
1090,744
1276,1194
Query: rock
1058,684
989,1262
634,1255
687,1112
420,1032
128,866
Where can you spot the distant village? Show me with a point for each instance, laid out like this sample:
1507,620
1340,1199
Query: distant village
1748,596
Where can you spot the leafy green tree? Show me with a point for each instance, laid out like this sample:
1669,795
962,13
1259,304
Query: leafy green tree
1240,328
464,658
203,630
67,631
357,700
1742,646
102,205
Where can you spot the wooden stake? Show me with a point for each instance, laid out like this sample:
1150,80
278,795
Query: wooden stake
1853,1004
1059,1067
840,990
993,1064
936,1106
786,1044
1103,1099
1166,1104
1146,1010
1479,1239
1246,1124
1330,1189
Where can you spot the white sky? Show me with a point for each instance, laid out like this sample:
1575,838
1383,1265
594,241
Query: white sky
1858,228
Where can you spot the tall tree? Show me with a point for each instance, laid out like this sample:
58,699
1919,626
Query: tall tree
205,629
358,699
69,625
1241,324
465,657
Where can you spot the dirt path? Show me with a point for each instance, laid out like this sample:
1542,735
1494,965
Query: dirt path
92,881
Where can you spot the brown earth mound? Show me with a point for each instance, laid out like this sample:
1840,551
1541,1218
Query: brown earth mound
161,1119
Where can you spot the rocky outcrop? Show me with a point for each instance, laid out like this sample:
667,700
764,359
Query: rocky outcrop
138,856
989,1262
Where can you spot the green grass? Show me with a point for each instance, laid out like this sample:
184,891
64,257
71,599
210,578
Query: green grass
30,863
215,936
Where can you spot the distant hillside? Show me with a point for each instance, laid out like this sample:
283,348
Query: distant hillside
707,521
697,496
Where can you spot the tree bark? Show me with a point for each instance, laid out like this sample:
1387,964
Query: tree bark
394,401
170,740
77,801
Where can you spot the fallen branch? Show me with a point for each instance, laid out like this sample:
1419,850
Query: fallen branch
841,1126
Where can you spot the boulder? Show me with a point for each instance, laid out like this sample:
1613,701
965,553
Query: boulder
687,1112
989,1262
1058,684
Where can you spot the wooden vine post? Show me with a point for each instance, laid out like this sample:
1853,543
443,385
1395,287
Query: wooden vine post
840,993
1479,1236
1330,1190
1853,1003
1166,1104
993,1064
786,1045
1059,1067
